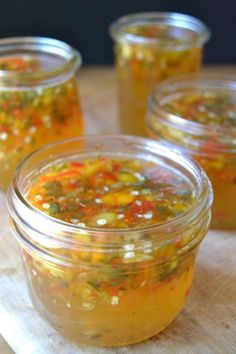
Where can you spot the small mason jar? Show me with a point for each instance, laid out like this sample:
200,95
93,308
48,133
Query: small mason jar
101,286
197,114
39,101
150,47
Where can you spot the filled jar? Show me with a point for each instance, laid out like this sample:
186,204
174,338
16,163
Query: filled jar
109,228
39,100
197,114
149,48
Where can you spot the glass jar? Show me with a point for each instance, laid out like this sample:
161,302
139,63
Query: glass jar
39,100
202,123
150,47
108,287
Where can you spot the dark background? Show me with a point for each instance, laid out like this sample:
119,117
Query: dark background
84,24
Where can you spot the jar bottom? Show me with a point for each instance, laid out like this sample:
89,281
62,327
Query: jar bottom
223,209
131,117
144,317
83,339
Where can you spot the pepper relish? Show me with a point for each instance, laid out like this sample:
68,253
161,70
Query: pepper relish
31,116
205,107
111,193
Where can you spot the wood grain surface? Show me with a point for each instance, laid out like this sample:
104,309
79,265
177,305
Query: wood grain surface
208,321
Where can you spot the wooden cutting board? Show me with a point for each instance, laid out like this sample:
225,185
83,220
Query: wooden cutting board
207,325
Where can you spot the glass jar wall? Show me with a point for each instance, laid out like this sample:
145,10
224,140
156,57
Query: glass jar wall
197,114
108,285
39,100
150,47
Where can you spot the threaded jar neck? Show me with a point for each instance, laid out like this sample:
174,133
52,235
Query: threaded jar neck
181,31
57,61
187,133
43,233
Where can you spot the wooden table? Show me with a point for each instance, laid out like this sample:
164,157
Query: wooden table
97,90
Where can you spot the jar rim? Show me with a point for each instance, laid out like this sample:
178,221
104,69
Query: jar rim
118,31
212,81
19,206
39,45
